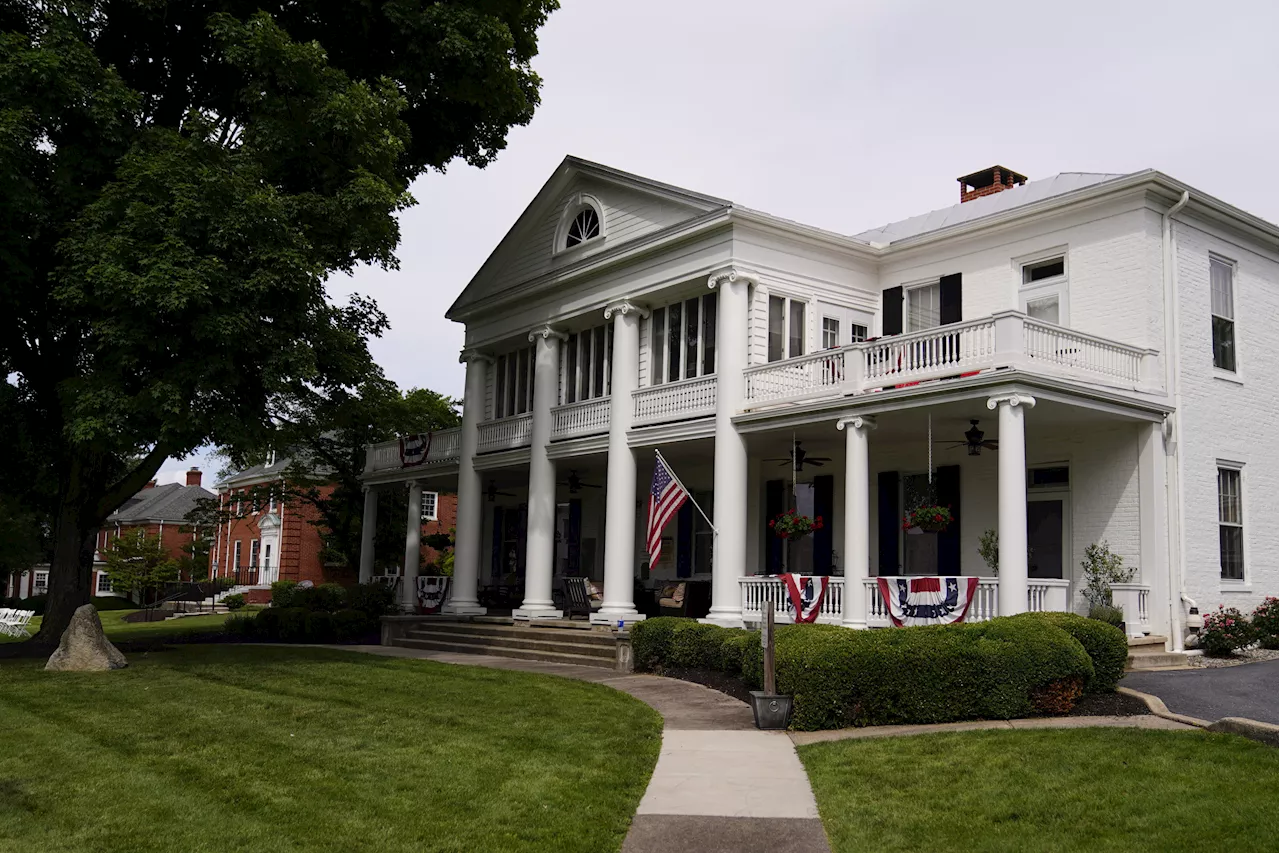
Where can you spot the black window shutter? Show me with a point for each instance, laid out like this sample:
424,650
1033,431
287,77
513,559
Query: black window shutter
684,541
824,495
775,501
891,305
949,297
889,521
948,491
496,558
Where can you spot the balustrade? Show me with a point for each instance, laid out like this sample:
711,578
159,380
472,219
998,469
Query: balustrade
588,417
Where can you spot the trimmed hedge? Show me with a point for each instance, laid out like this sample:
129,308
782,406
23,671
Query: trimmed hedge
1106,645
1001,669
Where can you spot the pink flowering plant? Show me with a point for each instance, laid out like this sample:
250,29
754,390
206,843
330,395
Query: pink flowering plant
1266,621
792,525
928,518
1225,630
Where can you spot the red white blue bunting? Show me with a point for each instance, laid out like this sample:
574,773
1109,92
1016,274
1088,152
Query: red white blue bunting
927,601
806,594
414,449
432,592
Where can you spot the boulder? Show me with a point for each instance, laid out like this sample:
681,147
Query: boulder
85,647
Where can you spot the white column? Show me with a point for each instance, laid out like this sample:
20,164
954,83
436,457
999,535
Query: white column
467,531
540,538
729,555
412,549
368,526
857,518
1153,562
620,487
1012,517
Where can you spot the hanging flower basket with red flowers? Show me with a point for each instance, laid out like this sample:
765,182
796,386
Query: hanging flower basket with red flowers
791,525
932,518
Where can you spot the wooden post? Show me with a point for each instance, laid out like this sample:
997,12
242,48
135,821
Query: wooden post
766,640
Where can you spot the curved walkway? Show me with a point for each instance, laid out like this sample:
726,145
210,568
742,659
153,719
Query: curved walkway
719,785
1248,690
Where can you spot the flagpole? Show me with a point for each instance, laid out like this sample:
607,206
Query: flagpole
672,472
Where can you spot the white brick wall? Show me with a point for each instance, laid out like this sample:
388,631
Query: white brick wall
1221,419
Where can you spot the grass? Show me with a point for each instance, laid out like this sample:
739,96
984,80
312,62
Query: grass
240,748
119,630
1046,790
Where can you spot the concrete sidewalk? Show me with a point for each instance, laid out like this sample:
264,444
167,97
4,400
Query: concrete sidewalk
719,785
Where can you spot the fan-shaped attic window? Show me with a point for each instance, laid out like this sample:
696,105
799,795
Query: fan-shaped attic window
585,226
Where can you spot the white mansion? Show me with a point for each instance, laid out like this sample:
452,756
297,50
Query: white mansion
1078,359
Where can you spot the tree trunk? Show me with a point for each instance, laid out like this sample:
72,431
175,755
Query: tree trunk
69,573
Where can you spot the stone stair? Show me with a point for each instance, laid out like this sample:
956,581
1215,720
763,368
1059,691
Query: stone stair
1147,653
560,642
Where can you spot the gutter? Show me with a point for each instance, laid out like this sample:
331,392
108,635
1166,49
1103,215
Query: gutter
1174,510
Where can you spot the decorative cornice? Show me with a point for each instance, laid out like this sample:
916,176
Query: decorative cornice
857,422
730,275
1013,400
474,355
625,307
546,332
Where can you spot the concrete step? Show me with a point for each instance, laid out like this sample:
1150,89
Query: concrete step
1149,640
532,645
1156,660
476,629
502,651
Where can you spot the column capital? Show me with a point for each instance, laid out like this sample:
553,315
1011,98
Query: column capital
546,332
469,355
730,274
1013,400
857,422
624,307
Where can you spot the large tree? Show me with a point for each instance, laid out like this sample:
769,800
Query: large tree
178,180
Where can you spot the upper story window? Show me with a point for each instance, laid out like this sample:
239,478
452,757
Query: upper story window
1043,292
513,388
585,226
786,327
1223,312
924,307
588,359
429,500
581,221
682,340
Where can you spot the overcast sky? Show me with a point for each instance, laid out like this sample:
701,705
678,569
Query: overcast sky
844,115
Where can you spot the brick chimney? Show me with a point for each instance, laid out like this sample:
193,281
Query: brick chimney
193,476
989,182
151,484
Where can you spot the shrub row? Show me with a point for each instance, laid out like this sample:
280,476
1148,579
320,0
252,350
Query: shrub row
299,625
1001,669
374,599
36,603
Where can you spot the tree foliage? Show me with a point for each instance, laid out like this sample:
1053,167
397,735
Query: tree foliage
138,564
178,180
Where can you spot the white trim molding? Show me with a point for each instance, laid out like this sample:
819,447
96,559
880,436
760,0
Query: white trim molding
624,307
1014,400
546,332
574,205
730,275
469,355
857,422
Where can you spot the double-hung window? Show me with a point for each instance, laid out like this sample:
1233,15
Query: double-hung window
104,583
786,327
513,392
1230,524
429,500
924,307
1223,312
255,546
239,543
588,359
682,340
1043,291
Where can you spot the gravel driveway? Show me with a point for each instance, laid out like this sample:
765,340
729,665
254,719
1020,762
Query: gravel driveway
1248,690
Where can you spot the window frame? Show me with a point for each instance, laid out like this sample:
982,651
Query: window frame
788,301
1233,371
660,361
579,364
573,208
907,289
40,582
507,374
99,586
255,553
237,553
1058,285
434,514
1237,468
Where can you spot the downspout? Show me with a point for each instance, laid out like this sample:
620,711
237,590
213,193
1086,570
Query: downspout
1173,426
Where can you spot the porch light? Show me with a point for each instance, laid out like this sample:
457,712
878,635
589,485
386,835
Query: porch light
973,435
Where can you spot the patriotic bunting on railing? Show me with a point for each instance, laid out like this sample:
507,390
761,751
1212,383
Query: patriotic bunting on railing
806,594
414,449
927,601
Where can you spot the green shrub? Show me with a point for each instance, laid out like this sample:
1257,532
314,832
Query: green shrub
293,625
1106,645
1225,630
351,625
1107,614
695,645
267,624
1266,619
1101,568
234,602
651,642
243,625
318,627
987,670
1272,642
732,647
372,599
112,602
282,593
34,603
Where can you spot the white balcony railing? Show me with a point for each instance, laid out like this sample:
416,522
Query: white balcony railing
1043,595
1075,352
588,417
796,378
1133,599
385,456
933,354
688,398
505,434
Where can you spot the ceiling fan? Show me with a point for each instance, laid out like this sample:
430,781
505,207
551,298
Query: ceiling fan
798,458
575,484
973,440
493,492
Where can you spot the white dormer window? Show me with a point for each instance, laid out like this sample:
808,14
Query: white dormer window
581,222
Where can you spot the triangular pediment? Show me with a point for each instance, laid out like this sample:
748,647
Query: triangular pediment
628,208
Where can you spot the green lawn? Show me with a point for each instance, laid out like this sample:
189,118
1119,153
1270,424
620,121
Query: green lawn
119,630
1046,791
241,748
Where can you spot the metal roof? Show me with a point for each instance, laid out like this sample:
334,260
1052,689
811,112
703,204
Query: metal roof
170,502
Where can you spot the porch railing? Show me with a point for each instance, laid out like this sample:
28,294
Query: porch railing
505,434
796,378
385,456
688,398
588,417
1134,600
756,590
1076,352
932,354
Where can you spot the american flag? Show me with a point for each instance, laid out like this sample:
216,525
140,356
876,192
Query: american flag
666,496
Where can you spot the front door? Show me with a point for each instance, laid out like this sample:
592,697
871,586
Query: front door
1046,529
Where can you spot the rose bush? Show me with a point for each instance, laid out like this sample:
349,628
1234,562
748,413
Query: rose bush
1225,630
